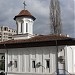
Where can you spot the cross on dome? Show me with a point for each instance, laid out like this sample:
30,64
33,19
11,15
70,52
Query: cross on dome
24,5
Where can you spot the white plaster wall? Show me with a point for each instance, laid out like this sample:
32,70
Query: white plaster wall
24,57
61,50
30,27
25,20
74,58
19,27
27,74
71,59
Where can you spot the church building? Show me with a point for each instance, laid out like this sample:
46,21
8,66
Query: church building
30,54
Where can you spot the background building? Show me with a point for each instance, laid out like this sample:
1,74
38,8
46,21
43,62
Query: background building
6,33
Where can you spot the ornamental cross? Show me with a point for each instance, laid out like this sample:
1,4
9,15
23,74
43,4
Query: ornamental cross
24,5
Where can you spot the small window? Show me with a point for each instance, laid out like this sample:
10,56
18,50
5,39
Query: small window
9,30
15,64
47,63
21,27
5,29
2,28
26,27
33,64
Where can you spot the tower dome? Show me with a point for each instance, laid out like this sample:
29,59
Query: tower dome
24,21
24,13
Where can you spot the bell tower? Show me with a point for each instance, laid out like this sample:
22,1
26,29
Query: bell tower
24,21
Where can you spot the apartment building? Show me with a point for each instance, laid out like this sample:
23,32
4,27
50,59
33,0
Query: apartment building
6,33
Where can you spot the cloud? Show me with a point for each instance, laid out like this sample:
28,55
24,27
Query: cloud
39,9
67,8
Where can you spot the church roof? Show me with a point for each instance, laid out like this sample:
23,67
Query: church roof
40,40
25,13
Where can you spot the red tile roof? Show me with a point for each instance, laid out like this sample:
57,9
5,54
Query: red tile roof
24,13
38,41
39,38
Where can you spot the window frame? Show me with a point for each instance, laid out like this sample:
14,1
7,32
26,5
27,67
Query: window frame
21,26
33,64
26,27
47,63
15,64
2,62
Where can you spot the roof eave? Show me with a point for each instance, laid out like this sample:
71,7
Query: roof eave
37,44
25,16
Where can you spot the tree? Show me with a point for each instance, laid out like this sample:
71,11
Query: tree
55,18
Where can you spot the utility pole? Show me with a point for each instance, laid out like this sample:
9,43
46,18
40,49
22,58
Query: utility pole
55,18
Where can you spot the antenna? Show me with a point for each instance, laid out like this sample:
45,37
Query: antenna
24,5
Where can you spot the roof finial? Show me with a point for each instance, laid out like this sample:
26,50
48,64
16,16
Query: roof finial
24,5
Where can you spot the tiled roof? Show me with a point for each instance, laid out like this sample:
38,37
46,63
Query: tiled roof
25,13
39,38
38,41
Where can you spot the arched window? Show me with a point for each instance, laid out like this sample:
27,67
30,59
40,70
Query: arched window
3,57
26,27
33,64
5,29
21,27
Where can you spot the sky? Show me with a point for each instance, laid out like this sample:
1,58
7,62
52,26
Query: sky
40,9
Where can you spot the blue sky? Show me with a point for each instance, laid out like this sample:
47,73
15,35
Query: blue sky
39,9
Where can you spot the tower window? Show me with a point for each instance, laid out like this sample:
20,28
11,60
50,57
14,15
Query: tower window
26,27
21,27
47,63
33,64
